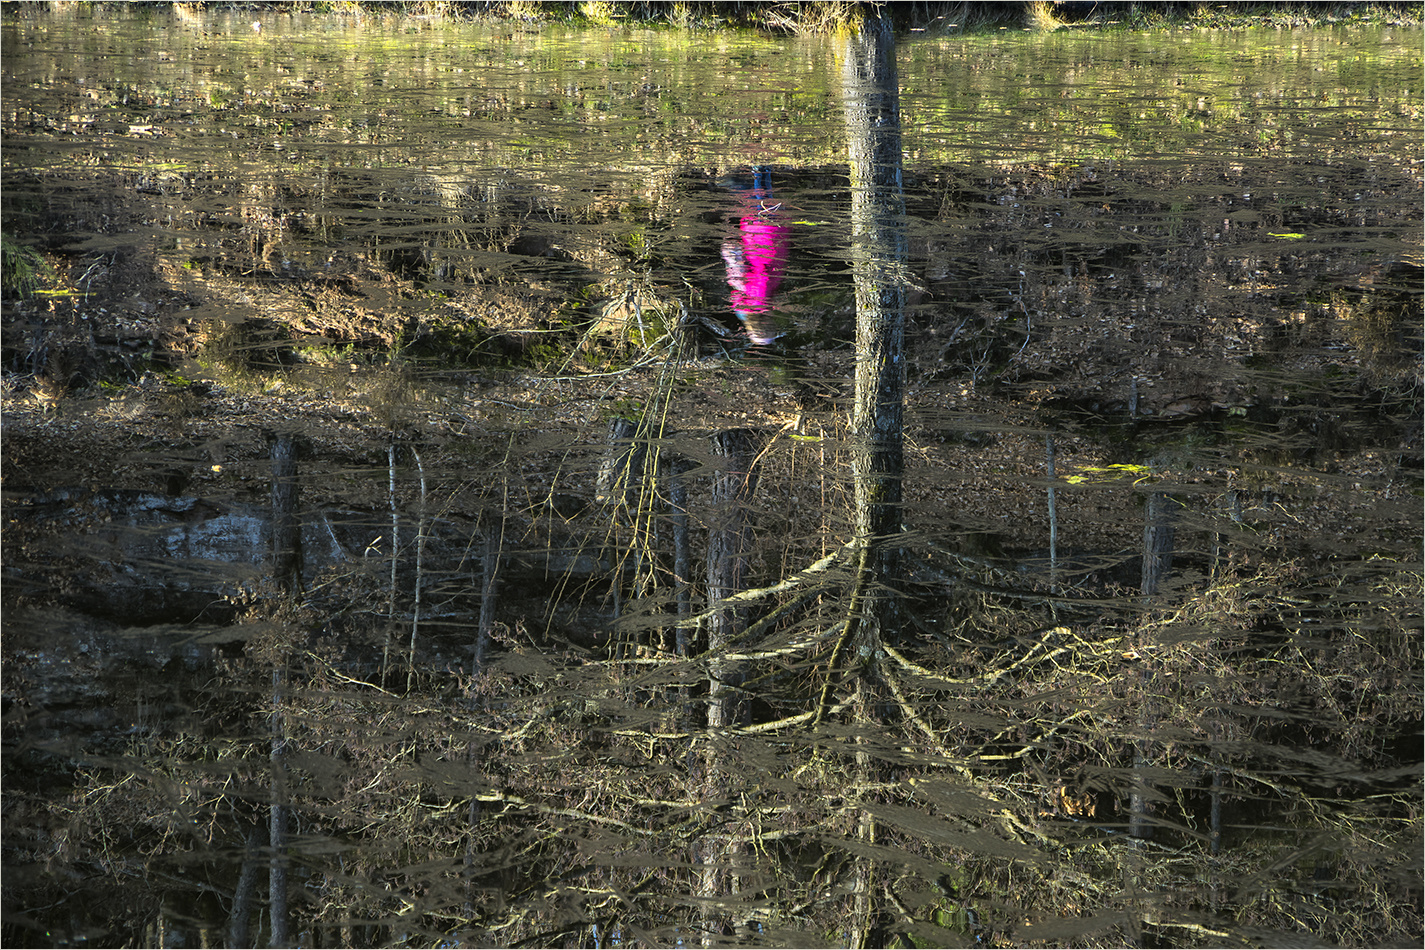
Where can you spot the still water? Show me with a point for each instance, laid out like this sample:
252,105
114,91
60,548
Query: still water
384,396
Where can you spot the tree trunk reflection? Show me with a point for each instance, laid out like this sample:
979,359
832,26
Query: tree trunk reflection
879,254
878,246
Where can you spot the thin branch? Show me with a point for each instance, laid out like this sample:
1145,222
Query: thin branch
909,712
795,580
935,677
857,594
420,565
516,801
793,647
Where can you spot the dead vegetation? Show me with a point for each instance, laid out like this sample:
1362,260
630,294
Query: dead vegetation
1273,682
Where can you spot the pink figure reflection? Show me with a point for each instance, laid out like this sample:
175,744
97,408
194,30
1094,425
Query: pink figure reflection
756,257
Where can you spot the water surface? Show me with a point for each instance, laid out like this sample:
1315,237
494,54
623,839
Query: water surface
465,288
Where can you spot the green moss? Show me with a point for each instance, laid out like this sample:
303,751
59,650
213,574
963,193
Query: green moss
452,345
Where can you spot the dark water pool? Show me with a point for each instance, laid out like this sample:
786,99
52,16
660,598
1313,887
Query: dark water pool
380,399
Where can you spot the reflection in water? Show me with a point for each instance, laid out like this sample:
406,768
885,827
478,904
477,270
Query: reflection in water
874,613
878,250
757,254
386,239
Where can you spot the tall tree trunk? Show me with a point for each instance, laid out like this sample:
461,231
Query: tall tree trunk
872,104
420,572
1052,476
395,559
1158,537
240,918
489,590
277,831
1221,568
620,484
729,545
621,470
287,574
286,527
1214,825
1222,540
677,468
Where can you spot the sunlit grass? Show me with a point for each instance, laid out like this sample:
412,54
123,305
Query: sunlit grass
782,16
1041,15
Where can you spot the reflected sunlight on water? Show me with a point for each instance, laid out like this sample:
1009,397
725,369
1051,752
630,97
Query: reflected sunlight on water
443,317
